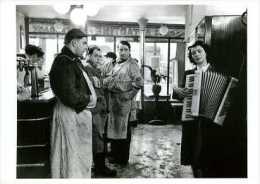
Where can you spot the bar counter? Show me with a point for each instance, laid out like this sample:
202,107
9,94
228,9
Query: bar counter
33,135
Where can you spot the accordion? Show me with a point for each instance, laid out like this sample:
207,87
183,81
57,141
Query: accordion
210,97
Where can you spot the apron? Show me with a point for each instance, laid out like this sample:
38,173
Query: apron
119,110
71,140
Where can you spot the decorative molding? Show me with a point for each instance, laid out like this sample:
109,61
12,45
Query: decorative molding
48,25
100,28
132,29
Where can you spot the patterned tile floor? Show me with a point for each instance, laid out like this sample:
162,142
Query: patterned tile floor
155,153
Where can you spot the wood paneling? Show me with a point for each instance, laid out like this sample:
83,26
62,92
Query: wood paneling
33,137
224,35
227,38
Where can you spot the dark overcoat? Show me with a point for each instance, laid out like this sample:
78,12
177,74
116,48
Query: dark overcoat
67,81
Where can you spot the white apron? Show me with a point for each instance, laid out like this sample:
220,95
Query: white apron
119,109
71,140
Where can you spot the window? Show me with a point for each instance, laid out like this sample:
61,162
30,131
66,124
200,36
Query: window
156,56
173,68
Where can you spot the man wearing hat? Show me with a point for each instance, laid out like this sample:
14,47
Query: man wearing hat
71,129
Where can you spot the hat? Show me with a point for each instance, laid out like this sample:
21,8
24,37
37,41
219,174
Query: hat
111,55
72,34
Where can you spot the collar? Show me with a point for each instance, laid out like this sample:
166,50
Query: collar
66,51
120,61
88,64
204,68
96,71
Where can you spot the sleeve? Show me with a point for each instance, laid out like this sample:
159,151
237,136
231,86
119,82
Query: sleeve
106,75
116,84
64,82
135,75
105,70
132,81
175,93
136,81
108,82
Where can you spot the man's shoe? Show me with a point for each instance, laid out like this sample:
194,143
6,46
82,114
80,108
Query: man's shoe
105,172
112,160
109,172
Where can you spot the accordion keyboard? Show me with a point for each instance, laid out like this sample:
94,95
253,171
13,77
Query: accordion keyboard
187,102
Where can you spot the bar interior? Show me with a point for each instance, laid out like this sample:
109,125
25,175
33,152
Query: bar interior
159,36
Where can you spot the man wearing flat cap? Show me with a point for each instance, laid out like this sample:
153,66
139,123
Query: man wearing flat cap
71,129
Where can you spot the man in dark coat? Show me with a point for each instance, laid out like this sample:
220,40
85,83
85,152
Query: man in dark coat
71,128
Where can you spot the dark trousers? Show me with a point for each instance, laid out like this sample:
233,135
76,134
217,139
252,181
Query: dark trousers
120,148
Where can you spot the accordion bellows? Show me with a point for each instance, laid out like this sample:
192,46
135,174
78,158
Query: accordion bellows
210,97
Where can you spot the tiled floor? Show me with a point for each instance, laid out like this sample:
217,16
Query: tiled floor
155,153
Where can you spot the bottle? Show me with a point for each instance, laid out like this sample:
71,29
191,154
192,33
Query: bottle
26,80
34,81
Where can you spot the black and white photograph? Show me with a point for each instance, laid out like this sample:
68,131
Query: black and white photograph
129,90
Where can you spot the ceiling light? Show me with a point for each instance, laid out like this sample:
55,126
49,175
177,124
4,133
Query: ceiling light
78,16
61,8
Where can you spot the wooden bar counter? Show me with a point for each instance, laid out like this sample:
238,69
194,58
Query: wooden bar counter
33,135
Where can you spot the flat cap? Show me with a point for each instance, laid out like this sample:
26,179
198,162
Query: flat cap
72,34
111,55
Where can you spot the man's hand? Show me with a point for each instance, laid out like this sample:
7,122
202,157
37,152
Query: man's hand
92,102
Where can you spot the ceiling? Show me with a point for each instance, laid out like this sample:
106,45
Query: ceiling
167,14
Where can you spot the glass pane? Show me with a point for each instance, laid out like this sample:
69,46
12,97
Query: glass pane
173,69
60,42
173,47
51,50
156,57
